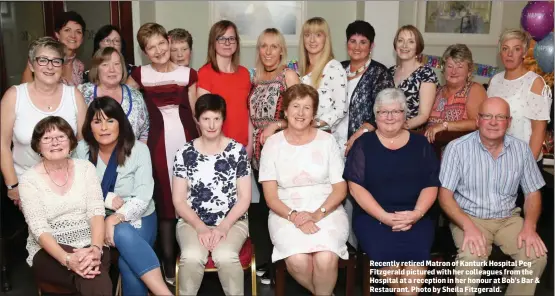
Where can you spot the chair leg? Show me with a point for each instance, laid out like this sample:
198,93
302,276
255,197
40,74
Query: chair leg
119,288
350,282
177,276
40,292
365,275
253,272
280,278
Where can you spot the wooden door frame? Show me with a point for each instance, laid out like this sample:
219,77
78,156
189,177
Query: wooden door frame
121,16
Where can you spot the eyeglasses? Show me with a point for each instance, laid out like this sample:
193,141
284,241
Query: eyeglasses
498,117
48,140
42,61
107,41
395,113
224,40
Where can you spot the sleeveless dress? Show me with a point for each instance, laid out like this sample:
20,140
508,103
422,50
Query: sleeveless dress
452,108
171,125
265,106
27,115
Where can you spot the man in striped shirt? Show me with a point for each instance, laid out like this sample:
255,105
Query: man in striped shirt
480,175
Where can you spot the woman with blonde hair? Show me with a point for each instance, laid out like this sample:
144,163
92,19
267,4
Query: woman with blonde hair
526,92
319,69
271,79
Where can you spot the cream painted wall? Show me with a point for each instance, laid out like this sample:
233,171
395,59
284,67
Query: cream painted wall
194,16
481,54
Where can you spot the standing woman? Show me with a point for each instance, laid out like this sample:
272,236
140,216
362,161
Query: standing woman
181,46
266,107
222,75
69,31
170,93
417,81
319,69
108,75
24,105
526,92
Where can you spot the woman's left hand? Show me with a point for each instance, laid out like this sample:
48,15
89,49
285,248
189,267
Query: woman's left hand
406,218
267,132
110,226
218,234
432,131
89,259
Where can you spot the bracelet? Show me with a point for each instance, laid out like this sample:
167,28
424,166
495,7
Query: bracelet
290,213
68,256
421,213
99,248
279,124
119,218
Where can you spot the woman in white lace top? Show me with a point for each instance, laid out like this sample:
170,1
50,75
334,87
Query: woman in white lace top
526,92
61,199
123,164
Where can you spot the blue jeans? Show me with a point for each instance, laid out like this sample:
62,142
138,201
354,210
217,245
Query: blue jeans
136,254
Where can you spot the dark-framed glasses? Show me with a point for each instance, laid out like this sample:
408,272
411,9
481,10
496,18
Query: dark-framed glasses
48,140
224,40
115,41
498,117
385,113
43,61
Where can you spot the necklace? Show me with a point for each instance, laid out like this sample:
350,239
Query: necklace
48,173
270,71
359,70
391,140
48,106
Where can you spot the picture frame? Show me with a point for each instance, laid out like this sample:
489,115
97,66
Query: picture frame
252,17
481,30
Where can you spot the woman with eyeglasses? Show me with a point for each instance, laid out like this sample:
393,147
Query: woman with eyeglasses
170,94
109,36
222,75
24,105
393,175
69,29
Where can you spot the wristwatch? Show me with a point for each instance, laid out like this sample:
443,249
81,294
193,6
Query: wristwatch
445,125
323,210
10,187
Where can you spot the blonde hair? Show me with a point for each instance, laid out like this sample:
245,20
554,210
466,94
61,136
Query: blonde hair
315,25
101,56
518,34
459,53
281,40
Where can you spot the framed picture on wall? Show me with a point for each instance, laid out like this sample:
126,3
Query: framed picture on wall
252,17
449,22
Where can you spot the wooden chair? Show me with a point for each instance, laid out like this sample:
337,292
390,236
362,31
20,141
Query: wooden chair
44,287
349,265
246,257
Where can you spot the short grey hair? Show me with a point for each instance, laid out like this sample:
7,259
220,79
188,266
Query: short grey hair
45,42
518,34
390,96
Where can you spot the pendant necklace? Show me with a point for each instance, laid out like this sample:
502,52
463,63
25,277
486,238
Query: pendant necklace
48,173
359,70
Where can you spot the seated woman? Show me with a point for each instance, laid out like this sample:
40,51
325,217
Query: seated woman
124,166
456,104
61,199
300,171
393,177
211,194
108,75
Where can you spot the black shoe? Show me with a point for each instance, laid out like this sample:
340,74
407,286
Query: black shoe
262,269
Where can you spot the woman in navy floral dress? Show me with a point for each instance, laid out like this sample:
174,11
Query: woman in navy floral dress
211,194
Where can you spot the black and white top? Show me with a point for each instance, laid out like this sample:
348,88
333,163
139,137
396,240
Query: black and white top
212,179
411,86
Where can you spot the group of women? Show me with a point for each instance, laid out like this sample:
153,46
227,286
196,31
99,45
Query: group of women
165,152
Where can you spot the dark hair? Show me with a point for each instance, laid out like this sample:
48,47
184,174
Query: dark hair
417,37
363,28
102,33
218,29
51,123
299,91
67,17
210,102
112,109
181,35
148,30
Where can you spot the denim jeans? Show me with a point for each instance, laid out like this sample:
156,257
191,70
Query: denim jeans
136,254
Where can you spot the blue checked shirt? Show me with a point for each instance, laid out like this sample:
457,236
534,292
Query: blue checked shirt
485,187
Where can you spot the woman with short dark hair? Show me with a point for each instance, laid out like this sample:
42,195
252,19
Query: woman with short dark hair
61,200
127,185
211,194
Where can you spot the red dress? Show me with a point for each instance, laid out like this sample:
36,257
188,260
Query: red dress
167,101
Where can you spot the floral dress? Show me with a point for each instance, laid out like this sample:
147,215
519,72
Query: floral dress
212,179
411,86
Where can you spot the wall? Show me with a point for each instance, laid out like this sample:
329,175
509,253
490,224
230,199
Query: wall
194,16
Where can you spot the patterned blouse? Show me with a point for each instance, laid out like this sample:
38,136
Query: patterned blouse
138,117
212,179
76,73
411,86
452,108
265,107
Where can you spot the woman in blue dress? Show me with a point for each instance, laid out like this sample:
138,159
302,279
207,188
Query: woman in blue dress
393,175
